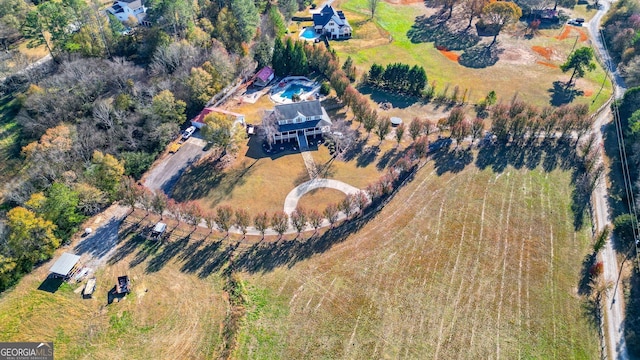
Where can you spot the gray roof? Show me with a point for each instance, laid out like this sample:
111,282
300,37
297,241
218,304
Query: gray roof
291,111
65,263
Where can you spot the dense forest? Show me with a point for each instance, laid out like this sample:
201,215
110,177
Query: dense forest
622,34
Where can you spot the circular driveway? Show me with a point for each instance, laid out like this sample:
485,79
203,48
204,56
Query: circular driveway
291,201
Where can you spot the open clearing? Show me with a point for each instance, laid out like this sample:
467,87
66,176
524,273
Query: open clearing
518,71
474,264
175,310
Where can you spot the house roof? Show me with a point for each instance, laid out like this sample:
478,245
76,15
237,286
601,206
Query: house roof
264,73
327,14
206,111
305,108
64,264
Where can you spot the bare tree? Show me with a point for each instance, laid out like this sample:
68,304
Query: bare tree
347,204
261,223
372,6
224,215
331,213
315,219
241,220
299,219
269,127
280,222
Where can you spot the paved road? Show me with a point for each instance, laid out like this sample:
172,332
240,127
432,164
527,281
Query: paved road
614,327
291,201
166,172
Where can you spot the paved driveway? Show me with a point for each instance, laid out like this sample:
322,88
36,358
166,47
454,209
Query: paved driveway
166,171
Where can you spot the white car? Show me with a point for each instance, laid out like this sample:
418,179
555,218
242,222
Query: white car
187,133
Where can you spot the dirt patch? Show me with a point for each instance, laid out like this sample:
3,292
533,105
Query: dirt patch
516,55
450,55
588,93
545,52
566,32
548,64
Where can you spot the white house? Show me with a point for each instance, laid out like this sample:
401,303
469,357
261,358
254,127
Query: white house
332,23
297,121
123,10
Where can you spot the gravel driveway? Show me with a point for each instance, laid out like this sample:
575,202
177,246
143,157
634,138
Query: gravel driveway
166,171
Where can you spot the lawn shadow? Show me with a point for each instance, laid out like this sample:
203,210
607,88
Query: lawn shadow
480,56
127,248
196,259
387,158
169,251
100,242
51,284
398,101
561,95
200,180
367,156
355,149
216,262
451,160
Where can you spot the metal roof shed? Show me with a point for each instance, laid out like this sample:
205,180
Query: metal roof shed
65,264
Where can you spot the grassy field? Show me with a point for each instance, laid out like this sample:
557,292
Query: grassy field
470,264
519,71
176,308
9,132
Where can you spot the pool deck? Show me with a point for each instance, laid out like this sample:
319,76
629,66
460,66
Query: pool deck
278,89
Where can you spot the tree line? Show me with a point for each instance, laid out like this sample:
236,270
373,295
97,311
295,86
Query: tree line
398,77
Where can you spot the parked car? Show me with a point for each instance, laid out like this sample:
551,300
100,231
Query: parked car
574,23
580,20
187,133
174,147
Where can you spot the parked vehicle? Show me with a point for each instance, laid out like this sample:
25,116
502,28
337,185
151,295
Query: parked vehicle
187,133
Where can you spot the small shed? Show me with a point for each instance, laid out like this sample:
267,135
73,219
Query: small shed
123,286
65,266
263,77
395,121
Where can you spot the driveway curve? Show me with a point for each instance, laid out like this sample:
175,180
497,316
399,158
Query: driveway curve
291,201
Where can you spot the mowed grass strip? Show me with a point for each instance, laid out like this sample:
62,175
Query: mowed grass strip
515,73
470,265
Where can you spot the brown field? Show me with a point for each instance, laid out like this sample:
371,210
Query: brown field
319,198
172,312
473,264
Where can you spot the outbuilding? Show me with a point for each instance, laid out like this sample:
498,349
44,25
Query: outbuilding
65,266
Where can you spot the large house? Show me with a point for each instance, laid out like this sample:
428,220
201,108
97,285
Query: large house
125,10
297,121
331,23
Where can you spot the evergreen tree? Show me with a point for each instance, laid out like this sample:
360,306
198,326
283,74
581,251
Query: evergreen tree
278,58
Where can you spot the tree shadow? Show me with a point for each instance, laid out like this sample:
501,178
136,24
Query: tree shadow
169,251
561,95
216,262
355,149
209,175
451,160
126,249
584,288
399,101
367,156
196,259
480,56
386,158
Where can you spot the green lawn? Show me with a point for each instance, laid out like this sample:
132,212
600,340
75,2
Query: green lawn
517,72
9,136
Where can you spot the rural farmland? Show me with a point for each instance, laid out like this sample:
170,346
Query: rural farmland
475,264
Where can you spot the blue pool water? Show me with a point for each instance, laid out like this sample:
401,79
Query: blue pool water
309,33
295,89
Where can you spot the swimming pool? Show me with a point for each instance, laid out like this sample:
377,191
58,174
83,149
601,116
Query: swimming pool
309,33
295,89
